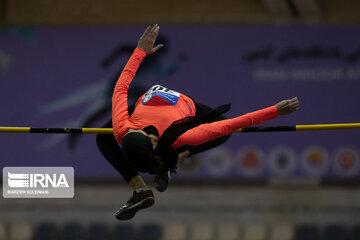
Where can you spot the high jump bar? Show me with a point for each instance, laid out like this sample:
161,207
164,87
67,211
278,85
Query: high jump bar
317,127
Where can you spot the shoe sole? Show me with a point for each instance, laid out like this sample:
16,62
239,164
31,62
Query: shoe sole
130,212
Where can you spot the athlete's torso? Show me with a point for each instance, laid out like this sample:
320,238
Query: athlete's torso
160,107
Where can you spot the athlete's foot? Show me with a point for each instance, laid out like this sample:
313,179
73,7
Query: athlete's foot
137,201
161,181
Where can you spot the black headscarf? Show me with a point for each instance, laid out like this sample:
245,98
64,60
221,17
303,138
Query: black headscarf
138,150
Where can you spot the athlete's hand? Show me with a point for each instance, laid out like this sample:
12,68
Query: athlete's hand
287,106
147,40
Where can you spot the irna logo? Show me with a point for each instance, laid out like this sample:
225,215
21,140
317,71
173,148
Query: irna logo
19,180
38,182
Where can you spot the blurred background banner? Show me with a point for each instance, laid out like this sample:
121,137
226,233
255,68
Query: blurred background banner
64,77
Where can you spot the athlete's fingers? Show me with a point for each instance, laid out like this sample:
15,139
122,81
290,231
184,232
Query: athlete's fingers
154,27
157,47
293,99
296,104
154,33
146,31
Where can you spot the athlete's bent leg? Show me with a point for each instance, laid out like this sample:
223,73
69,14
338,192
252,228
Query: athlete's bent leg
142,196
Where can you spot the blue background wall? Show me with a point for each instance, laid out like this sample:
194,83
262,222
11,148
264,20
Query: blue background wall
54,77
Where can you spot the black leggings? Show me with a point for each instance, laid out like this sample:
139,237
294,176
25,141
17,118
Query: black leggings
113,153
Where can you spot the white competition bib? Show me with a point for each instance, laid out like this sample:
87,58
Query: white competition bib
170,96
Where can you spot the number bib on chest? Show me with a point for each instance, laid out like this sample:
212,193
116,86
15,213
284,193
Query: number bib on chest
166,94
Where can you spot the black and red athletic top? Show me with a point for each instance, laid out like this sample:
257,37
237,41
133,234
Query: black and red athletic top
160,107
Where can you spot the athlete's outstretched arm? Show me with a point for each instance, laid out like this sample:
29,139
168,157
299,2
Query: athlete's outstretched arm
145,47
210,131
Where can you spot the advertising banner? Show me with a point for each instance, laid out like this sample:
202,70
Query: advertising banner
64,77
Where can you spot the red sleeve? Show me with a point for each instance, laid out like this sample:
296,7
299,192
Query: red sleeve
119,98
210,131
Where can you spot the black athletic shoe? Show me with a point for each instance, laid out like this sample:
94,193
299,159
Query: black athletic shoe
161,181
136,202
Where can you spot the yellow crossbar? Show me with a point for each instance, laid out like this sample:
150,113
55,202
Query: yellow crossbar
316,127
339,126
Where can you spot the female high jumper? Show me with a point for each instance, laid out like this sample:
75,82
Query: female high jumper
164,127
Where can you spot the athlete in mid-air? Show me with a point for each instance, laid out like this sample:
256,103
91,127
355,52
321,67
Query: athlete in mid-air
163,127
